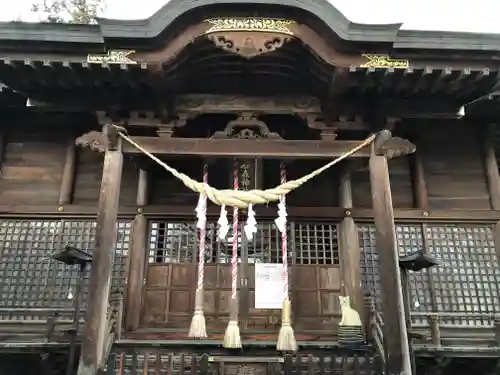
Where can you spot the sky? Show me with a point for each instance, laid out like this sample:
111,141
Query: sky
441,15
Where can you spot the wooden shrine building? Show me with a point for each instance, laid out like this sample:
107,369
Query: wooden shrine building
247,89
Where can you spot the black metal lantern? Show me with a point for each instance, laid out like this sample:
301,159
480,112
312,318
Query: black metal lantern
72,256
415,261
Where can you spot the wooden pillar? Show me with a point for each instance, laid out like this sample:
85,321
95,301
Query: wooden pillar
68,175
95,335
395,335
3,147
350,256
137,256
491,168
420,196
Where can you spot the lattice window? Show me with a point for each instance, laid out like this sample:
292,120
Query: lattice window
469,283
172,242
29,278
177,242
266,244
409,239
316,243
370,273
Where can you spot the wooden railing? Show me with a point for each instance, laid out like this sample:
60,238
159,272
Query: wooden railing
137,361
434,333
52,326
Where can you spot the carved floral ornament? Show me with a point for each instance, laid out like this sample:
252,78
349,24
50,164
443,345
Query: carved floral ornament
249,37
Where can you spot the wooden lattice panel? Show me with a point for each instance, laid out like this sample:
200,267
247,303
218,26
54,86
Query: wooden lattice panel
469,281
409,239
316,243
29,278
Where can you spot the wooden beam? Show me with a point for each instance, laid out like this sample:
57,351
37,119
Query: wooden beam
411,215
491,169
349,244
68,175
245,148
137,257
395,335
102,262
264,148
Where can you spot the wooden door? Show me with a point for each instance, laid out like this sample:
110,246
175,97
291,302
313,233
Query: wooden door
316,279
314,275
172,270
172,273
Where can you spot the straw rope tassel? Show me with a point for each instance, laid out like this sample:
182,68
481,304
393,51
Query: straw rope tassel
198,328
286,337
232,337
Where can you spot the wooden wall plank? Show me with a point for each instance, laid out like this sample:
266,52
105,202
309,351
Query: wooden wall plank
453,166
32,169
399,171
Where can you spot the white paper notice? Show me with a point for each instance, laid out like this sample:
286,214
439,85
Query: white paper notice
268,286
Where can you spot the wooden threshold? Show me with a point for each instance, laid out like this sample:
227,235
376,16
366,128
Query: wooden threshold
218,337
460,352
218,343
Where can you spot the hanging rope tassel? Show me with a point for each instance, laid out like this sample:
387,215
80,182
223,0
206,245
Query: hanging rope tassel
232,337
198,328
286,336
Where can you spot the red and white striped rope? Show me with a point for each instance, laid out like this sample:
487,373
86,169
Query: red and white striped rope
284,238
234,257
201,254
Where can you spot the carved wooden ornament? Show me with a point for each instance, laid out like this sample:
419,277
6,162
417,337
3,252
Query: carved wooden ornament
396,147
249,37
94,140
247,126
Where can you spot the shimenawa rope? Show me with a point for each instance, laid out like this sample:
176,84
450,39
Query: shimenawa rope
241,198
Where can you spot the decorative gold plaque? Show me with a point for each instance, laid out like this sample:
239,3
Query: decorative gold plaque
112,57
250,24
384,61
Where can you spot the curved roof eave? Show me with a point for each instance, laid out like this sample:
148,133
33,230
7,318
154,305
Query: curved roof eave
50,32
322,9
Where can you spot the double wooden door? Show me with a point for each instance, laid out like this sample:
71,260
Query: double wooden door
172,272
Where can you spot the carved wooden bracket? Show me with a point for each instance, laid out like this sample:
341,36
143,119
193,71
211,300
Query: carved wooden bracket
246,126
327,132
397,146
94,140
248,44
392,147
100,141
166,130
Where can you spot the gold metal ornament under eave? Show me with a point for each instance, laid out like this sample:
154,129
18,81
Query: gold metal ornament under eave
112,57
269,25
384,62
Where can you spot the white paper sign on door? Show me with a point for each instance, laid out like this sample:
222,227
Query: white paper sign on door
268,286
